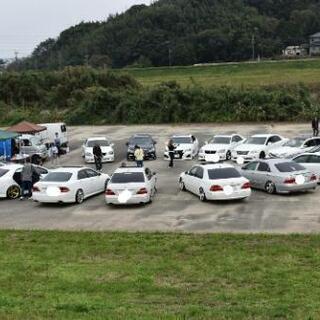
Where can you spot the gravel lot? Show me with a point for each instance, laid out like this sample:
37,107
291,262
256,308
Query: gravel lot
171,210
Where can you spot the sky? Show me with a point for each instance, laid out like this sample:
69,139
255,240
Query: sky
25,23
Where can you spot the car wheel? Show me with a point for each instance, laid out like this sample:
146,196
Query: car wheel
182,185
155,157
262,155
79,196
13,192
270,187
228,155
202,195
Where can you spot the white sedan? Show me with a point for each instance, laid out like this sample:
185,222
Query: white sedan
187,147
106,148
215,182
131,185
10,179
70,185
221,145
257,147
310,161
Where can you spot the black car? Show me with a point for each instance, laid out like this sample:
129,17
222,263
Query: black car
146,142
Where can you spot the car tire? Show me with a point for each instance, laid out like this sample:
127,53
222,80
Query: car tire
270,187
79,196
202,195
262,155
182,185
155,157
228,155
13,192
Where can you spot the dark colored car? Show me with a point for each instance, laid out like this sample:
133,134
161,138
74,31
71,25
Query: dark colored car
146,142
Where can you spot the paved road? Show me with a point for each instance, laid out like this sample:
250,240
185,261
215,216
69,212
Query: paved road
171,210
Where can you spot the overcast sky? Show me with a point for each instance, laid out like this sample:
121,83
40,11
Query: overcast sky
25,23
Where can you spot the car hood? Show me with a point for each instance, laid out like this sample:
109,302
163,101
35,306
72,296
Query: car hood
103,149
144,147
250,147
215,147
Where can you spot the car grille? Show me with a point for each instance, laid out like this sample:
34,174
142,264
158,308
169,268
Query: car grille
210,152
242,153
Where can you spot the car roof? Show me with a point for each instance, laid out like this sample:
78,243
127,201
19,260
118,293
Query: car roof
267,135
141,135
70,169
210,166
129,169
96,138
273,161
182,135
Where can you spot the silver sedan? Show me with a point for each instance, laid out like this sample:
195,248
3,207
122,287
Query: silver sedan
279,176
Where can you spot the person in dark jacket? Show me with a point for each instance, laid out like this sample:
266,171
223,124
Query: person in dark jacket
27,174
315,126
171,147
97,153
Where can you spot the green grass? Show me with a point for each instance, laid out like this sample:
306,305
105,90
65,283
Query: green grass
241,74
53,275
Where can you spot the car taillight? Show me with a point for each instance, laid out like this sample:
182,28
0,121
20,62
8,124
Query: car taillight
64,189
35,189
216,188
109,192
142,191
247,185
313,177
290,181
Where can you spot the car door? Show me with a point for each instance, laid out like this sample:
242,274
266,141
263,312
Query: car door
248,171
262,175
95,181
84,182
198,181
190,178
235,141
313,164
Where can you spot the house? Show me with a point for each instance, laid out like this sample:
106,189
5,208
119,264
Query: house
293,51
314,44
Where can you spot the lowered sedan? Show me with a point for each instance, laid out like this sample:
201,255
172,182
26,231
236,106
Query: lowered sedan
103,143
279,176
69,185
215,182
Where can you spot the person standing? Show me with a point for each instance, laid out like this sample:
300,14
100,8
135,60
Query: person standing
315,126
27,174
171,149
97,153
139,156
53,154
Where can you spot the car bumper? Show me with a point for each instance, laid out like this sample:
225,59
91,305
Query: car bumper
246,158
108,158
203,156
241,194
135,199
44,198
147,156
282,188
179,155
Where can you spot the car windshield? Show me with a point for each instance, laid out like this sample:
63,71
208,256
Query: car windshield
101,143
3,172
289,167
141,141
294,143
128,177
256,140
220,140
35,141
224,173
182,140
58,177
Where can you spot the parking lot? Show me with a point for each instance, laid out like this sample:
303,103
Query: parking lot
172,210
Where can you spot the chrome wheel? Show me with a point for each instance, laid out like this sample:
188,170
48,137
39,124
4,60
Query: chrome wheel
182,186
270,187
202,195
79,197
13,192
228,155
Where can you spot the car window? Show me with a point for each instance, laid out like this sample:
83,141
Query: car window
251,166
236,139
82,175
58,177
3,172
310,143
193,171
199,173
273,139
317,142
63,128
301,159
289,167
41,170
128,177
314,159
223,173
263,167
91,173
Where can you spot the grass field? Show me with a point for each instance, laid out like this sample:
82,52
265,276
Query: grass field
51,275
258,74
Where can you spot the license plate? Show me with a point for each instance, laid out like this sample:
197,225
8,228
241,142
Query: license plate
177,156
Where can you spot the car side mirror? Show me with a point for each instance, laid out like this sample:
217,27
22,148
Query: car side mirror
187,172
